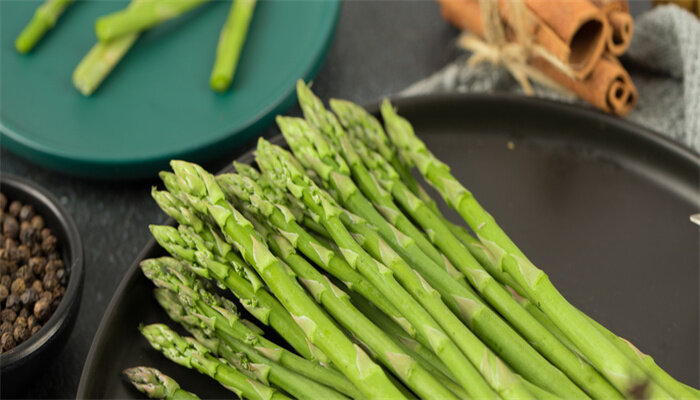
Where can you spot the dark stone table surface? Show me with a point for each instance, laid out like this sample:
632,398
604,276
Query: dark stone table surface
379,48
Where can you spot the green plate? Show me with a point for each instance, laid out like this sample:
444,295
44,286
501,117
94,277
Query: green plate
157,104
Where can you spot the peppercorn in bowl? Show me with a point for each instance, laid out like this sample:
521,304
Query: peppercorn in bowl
41,278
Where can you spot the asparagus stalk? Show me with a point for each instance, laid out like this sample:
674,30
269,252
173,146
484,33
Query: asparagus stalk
156,385
261,304
274,160
191,354
144,16
338,304
461,299
329,127
349,358
44,18
497,296
279,216
616,367
101,60
266,371
231,41
186,300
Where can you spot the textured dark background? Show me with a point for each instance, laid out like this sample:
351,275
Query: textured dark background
379,48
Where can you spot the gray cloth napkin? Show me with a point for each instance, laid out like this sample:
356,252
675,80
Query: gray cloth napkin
663,60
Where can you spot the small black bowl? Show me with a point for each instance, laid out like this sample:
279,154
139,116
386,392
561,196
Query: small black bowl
18,365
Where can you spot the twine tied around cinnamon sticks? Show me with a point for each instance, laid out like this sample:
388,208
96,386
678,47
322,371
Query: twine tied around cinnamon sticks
513,55
570,45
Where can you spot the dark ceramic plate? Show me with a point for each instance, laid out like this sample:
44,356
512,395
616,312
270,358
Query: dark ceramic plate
601,205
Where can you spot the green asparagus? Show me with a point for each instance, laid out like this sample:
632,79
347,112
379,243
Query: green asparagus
615,366
461,299
146,15
231,41
492,291
191,354
44,18
349,358
156,385
274,160
185,299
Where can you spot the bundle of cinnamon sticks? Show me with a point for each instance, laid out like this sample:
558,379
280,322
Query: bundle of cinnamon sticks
581,40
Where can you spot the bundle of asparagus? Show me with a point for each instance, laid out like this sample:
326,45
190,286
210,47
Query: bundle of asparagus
337,248
117,33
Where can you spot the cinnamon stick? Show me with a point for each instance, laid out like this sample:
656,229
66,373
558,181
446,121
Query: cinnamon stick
621,24
575,35
608,87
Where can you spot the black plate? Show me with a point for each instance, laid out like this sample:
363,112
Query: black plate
600,204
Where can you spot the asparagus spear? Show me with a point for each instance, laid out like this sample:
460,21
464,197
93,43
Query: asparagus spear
461,299
247,191
231,41
350,359
329,127
338,304
44,18
261,304
146,15
191,354
616,367
156,385
491,290
186,300
101,60
274,160
266,371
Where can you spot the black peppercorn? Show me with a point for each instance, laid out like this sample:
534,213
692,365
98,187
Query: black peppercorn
8,315
36,285
50,281
37,265
37,223
13,302
6,281
10,227
3,293
3,201
24,312
25,273
26,212
42,308
18,286
46,232
35,329
31,321
29,297
62,276
48,245
6,327
7,341
26,233
23,253
15,206
20,333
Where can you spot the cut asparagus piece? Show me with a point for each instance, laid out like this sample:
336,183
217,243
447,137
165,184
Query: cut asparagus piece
102,58
615,366
156,385
583,374
275,160
186,300
147,14
191,354
402,249
44,18
349,358
231,42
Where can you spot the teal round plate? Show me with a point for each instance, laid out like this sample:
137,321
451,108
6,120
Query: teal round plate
156,105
